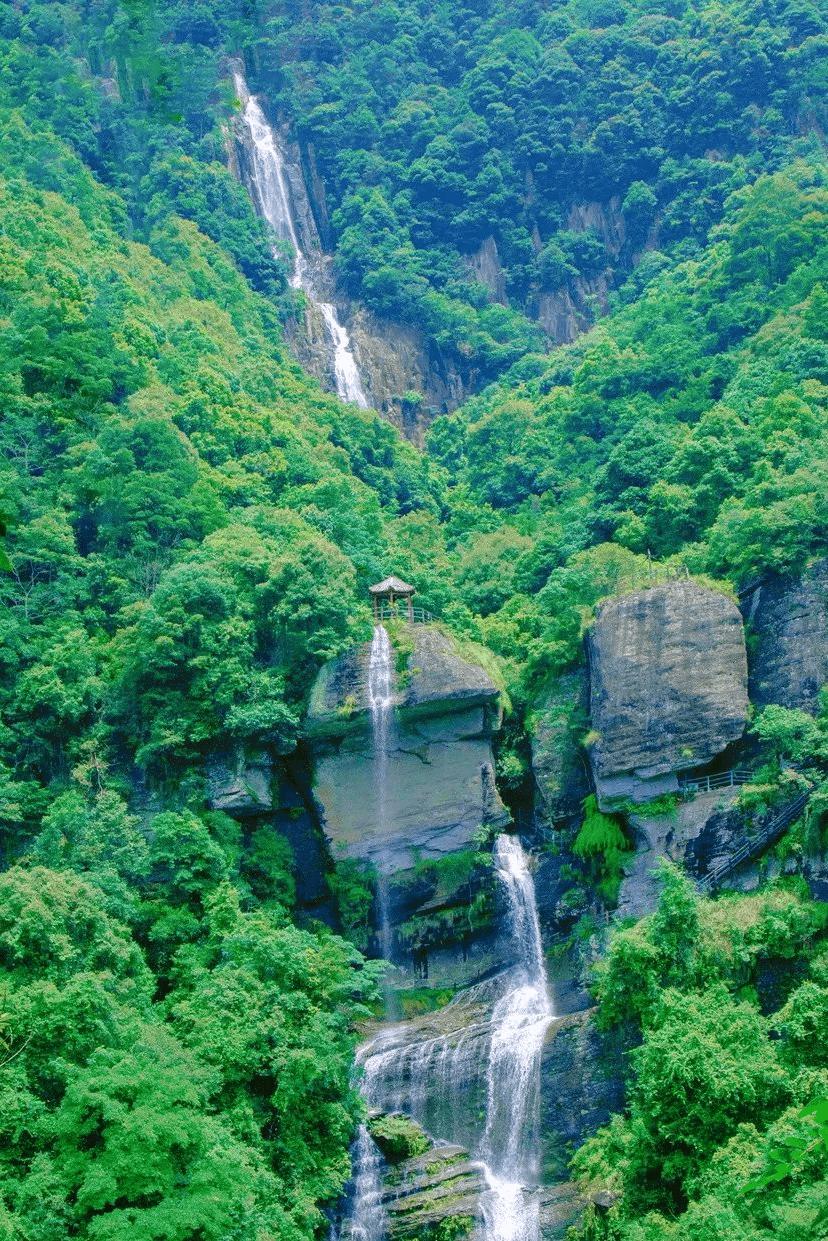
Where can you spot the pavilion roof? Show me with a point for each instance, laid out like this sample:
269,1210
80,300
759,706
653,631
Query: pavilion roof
392,585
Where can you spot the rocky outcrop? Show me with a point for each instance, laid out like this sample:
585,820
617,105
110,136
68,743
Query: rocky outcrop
566,313
789,619
675,834
439,787
605,219
668,688
485,266
271,795
435,1194
571,310
240,784
582,1084
399,363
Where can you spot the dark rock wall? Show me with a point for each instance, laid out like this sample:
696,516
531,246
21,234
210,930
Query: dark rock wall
582,1084
789,622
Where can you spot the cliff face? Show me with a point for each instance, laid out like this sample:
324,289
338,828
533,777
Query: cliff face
789,617
439,779
668,687
395,359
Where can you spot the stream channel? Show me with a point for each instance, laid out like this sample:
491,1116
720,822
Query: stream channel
271,191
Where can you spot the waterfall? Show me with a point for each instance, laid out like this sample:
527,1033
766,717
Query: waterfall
511,1140
381,703
366,1219
272,198
469,1073
478,1056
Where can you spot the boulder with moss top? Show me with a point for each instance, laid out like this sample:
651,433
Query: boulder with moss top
668,673
439,779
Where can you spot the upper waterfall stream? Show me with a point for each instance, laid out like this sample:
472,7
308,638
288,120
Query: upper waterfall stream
381,702
272,198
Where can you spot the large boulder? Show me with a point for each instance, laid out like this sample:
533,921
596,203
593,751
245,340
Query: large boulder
789,618
432,787
668,692
238,783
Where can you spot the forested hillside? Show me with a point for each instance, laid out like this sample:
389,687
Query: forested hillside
193,524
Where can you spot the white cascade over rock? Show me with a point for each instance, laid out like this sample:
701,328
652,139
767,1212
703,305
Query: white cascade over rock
272,197
381,702
481,1055
511,1141
366,1219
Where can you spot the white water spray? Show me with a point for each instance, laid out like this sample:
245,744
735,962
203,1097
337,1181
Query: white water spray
367,1218
272,199
511,1141
494,1059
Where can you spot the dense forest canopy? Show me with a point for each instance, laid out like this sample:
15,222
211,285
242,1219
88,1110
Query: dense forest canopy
192,525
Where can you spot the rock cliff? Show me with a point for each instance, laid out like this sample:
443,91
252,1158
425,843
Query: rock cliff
675,834
439,786
668,691
582,1084
789,618
485,266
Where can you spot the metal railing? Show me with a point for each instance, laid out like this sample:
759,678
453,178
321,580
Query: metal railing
770,832
719,780
400,612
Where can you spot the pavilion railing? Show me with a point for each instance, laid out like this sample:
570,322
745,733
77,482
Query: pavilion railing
401,612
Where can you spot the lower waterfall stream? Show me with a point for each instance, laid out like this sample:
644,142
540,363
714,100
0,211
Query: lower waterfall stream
511,1141
484,1059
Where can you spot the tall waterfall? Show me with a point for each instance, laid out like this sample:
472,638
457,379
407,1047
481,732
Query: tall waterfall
366,1217
381,702
511,1142
483,1057
272,198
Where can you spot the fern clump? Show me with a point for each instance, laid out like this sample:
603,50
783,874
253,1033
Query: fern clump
601,843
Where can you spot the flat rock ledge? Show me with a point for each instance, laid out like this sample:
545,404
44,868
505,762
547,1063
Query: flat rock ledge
437,680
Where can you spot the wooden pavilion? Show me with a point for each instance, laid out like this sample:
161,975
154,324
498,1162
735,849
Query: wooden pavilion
389,591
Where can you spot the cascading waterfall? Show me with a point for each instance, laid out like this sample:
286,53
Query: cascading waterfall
477,1059
511,1141
272,199
366,1220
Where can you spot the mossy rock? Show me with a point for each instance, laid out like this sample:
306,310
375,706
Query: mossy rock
451,1228
399,1137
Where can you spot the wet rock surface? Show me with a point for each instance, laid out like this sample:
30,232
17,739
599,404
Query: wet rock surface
442,1185
789,618
582,1084
668,673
